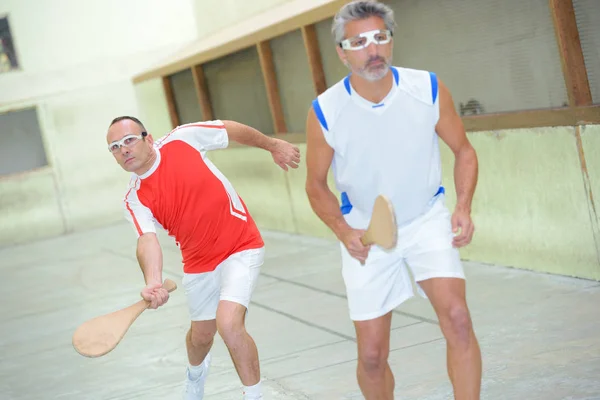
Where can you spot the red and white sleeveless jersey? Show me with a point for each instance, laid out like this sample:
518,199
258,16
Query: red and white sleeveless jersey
185,194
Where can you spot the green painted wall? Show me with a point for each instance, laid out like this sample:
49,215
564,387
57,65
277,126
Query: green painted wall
531,208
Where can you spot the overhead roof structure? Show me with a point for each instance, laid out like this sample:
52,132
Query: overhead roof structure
275,22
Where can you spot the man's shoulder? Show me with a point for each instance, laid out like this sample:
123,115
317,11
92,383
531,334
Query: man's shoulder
329,104
133,185
419,83
335,91
412,72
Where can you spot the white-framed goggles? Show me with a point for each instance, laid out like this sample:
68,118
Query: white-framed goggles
366,38
127,141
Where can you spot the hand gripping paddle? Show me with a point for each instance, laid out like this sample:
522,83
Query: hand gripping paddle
100,335
382,229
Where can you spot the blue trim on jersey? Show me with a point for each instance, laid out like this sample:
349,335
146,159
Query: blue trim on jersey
378,105
347,84
346,206
396,75
434,86
319,113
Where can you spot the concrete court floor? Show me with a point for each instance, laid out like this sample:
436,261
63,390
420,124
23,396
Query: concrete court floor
539,334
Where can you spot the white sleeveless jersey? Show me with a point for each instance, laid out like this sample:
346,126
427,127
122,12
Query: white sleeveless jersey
390,148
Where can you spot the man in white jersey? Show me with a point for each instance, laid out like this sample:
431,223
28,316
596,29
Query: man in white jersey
378,129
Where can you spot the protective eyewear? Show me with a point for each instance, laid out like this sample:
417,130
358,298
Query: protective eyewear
127,141
366,38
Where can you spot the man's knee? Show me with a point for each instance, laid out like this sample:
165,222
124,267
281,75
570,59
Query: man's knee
230,320
202,334
373,358
374,344
456,324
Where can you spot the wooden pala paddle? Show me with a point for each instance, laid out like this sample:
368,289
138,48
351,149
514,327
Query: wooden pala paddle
382,229
100,335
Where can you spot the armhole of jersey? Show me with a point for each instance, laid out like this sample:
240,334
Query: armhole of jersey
434,95
323,122
319,114
434,87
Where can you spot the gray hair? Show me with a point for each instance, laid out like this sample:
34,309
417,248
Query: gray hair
357,10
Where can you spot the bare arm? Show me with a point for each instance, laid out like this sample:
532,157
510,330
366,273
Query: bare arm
318,159
248,136
322,200
284,154
149,256
451,130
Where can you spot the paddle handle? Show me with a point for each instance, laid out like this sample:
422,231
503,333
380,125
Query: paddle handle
167,284
366,239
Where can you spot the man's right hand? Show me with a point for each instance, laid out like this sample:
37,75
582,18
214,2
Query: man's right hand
351,239
155,294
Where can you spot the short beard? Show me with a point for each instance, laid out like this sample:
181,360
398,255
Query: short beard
373,76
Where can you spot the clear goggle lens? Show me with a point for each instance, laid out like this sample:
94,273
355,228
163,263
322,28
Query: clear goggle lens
126,141
365,39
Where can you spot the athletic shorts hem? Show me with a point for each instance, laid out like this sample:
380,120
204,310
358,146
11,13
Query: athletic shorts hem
382,312
440,274
237,300
205,317
432,249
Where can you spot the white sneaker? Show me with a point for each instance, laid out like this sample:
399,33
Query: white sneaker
194,389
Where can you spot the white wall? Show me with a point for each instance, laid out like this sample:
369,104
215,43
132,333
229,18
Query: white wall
77,59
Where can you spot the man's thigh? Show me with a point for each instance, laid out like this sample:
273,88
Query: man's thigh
202,292
233,280
239,275
373,337
448,298
376,288
431,253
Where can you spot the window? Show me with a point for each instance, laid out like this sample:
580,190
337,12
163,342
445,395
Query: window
21,145
8,56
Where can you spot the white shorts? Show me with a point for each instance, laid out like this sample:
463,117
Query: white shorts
233,280
383,283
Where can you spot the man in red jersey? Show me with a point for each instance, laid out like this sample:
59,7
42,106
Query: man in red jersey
175,186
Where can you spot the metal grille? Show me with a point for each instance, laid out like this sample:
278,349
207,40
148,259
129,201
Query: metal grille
186,99
495,56
587,13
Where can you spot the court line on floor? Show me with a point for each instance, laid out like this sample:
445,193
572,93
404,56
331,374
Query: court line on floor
293,317
341,296
278,358
328,292
353,360
265,307
303,321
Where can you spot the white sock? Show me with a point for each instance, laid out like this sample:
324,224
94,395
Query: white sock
253,392
196,371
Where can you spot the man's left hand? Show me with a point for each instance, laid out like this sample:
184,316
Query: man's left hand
285,154
461,220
